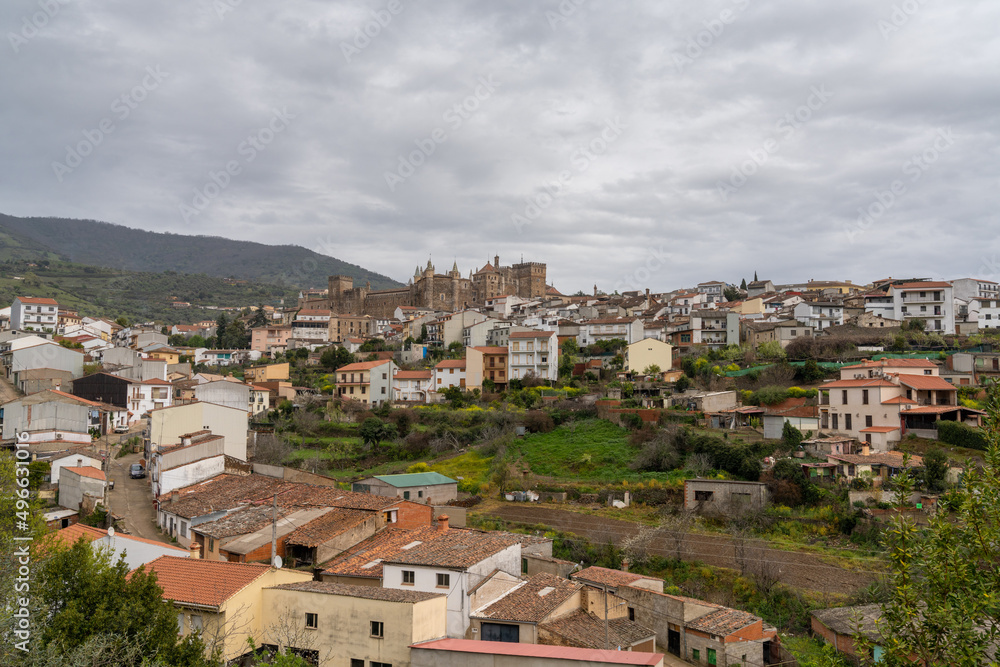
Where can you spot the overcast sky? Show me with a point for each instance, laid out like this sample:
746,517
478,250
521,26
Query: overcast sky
627,144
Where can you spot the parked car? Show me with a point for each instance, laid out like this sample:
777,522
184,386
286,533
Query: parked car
136,471
122,428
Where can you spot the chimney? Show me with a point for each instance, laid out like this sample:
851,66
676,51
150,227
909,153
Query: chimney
195,550
625,564
865,449
647,292
443,522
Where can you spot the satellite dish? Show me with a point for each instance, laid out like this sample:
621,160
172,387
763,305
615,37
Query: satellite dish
111,531
277,562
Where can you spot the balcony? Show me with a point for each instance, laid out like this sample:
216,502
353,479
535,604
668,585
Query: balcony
930,297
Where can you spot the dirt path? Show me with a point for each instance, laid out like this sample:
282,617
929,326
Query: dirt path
7,391
801,570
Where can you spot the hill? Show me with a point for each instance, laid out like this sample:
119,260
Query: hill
139,296
114,246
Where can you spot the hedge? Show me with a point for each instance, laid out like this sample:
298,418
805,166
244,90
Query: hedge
961,435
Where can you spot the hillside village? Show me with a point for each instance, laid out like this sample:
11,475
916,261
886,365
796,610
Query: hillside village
361,477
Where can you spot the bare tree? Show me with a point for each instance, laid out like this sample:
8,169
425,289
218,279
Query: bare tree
673,528
700,463
271,448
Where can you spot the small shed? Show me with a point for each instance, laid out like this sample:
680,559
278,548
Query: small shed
724,496
420,487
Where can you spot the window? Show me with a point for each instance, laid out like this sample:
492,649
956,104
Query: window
499,632
695,654
524,566
211,544
927,371
373,663
355,662
443,580
631,614
868,421
180,624
420,494
196,623
847,421
312,621
702,496
406,495
184,529
864,396
843,397
711,656
378,629
834,417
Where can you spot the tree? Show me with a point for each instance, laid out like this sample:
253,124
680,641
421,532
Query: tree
944,607
86,595
935,469
743,285
221,323
652,369
790,436
335,357
236,337
372,430
682,384
732,294
771,350
122,321
259,318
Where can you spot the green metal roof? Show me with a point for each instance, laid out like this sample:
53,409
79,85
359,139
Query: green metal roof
416,479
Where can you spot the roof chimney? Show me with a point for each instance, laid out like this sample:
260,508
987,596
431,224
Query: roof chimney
442,522
625,564
865,449
195,550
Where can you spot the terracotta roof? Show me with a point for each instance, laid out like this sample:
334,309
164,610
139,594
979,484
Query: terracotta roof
87,471
362,365
723,622
242,521
607,576
531,601
454,547
451,363
862,382
611,320
38,300
899,400
586,630
926,382
939,409
879,429
155,381
491,349
842,620
531,334
541,651
71,534
366,592
323,529
413,375
204,582
898,363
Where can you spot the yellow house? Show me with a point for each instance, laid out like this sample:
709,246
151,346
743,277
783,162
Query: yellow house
649,352
169,355
340,625
754,306
223,601
266,372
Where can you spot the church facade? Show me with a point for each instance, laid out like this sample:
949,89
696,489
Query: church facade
439,291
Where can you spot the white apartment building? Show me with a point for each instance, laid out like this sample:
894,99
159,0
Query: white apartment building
535,352
34,313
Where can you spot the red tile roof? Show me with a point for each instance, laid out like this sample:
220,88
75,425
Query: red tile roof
366,592
892,459
897,363
325,528
723,622
586,630
921,285
862,382
204,582
532,334
363,365
38,300
414,375
899,400
879,429
71,534
531,601
927,382
541,651
451,363
604,575
491,349
87,471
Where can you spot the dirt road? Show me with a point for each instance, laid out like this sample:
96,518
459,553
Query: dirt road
801,570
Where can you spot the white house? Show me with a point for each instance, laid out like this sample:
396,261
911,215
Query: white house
71,460
166,426
148,395
535,352
224,392
412,386
819,315
34,313
449,373
197,457
627,328
930,301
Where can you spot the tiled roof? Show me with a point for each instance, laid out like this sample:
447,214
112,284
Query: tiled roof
531,601
454,547
899,400
531,334
366,592
542,651
242,521
362,365
879,429
842,620
921,285
413,375
415,479
723,622
585,630
204,582
611,320
926,382
222,492
87,471
451,363
323,529
71,534
897,363
939,409
491,349
604,575
38,300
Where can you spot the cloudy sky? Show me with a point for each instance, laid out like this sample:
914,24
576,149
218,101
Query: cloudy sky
627,144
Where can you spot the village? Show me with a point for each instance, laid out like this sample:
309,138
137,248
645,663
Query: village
375,477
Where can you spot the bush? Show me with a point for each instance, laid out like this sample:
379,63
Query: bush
538,421
961,435
631,420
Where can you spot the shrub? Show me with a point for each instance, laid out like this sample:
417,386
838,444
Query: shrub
631,420
538,421
961,435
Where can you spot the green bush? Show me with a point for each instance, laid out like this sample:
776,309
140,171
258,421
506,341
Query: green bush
961,435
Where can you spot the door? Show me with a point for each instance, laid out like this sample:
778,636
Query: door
674,642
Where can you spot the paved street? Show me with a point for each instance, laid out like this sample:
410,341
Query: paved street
133,500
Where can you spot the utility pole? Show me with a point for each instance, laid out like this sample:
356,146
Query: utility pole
607,632
274,529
